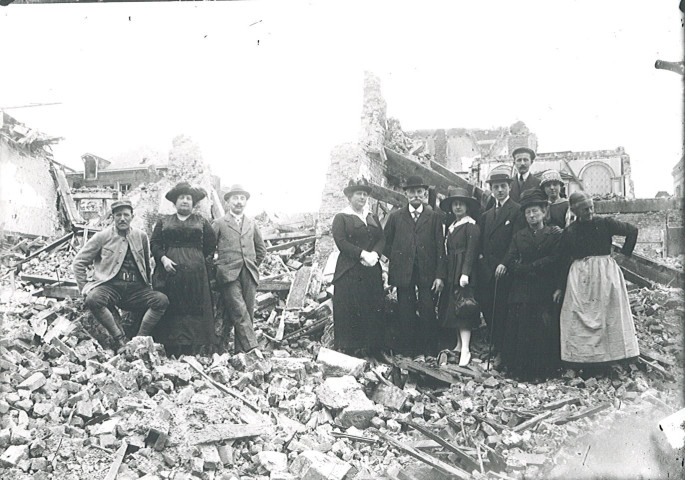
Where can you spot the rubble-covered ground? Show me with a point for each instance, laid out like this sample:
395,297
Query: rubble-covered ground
71,409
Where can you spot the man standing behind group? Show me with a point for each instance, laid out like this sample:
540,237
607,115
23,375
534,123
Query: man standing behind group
498,226
523,158
241,250
414,245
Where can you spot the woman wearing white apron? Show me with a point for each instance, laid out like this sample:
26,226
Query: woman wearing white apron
596,322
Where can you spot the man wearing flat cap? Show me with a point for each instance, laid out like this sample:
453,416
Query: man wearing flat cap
498,225
240,251
415,247
523,158
120,255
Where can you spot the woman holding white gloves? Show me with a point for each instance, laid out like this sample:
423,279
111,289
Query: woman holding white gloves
358,303
458,311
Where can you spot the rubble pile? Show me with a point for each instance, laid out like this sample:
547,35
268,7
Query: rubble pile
396,139
73,408
25,138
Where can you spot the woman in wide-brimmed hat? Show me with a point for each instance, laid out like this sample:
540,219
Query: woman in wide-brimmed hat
558,213
531,346
358,303
181,243
596,321
461,244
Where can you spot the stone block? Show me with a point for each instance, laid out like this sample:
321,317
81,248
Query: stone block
293,367
20,436
210,457
336,364
34,382
315,465
39,464
339,392
225,454
13,455
108,440
42,409
389,396
273,461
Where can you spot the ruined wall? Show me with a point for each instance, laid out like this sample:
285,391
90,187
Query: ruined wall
28,197
132,177
350,161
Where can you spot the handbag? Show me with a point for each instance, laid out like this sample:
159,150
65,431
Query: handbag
465,305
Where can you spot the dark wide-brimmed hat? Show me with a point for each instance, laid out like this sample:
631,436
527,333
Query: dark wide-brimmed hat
499,177
121,204
356,186
550,176
184,188
524,150
456,193
236,189
531,197
414,182
579,200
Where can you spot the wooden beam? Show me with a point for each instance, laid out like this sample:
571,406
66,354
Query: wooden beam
400,166
227,431
469,463
298,290
388,196
273,286
49,280
423,457
65,193
582,414
289,235
294,243
46,248
532,421
648,269
118,459
416,367
60,292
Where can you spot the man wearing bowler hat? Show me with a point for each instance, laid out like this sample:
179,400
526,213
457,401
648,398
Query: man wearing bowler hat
120,255
523,158
414,245
497,226
240,251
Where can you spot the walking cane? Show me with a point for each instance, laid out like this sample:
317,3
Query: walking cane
492,323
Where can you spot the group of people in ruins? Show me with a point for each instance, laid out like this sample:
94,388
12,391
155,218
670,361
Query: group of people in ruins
177,296
535,265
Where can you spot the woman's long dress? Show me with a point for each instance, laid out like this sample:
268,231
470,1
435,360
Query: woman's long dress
462,249
358,303
559,214
596,321
188,324
531,332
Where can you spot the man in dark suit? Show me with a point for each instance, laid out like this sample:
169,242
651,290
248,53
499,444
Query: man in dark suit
523,158
414,245
498,226
241,250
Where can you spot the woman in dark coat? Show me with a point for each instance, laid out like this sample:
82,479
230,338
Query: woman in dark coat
461,244
182,245
531,332
596,321
358,303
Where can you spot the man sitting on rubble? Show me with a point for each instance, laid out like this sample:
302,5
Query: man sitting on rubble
120,255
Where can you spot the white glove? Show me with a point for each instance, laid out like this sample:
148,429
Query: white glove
463,280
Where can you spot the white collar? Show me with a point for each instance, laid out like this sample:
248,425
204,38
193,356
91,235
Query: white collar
525,175
236,217
501,204
419,209
365,212
463,221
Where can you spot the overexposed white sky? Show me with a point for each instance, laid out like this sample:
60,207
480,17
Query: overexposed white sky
268,88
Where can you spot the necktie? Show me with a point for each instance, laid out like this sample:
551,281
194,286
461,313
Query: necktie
416,216
521,179
497,208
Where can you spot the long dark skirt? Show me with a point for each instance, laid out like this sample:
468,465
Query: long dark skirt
358,307
447,311
188,324
531,346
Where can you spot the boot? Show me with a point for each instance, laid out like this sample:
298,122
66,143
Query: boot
106,319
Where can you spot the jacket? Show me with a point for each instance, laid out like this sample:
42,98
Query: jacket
351,236
408,243
237,247
106,251
517,188
462,246
496,236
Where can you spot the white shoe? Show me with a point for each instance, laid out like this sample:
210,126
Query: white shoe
464,358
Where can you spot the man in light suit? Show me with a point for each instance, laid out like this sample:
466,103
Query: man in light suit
523,158
240,251
498,225
414,245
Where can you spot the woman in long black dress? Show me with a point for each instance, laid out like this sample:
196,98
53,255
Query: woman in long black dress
596,321
358,303
461,243
181,243
531,347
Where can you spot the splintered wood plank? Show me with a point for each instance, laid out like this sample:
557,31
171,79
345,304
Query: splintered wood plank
228,431
287,245
46,248
298,290
423,457
469,462
118,459
49,280
60,292
273,286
